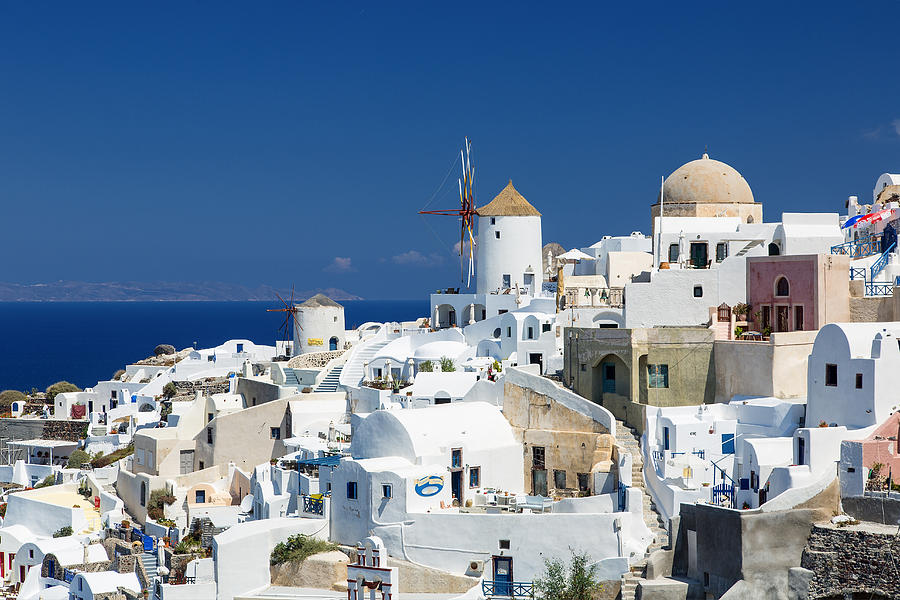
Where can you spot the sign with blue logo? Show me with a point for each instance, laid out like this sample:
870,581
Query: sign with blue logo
430,485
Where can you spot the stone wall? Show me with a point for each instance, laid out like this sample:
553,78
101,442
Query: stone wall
871,310
313,360
852,560
13,430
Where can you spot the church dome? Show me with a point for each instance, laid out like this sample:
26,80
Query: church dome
707,181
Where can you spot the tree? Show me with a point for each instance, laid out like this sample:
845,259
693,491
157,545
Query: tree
164,349
60,387
447,365
169,391
7,397
578,581
63,532
426,367
78,458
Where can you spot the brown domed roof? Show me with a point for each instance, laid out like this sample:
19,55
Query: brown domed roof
508,203
706,181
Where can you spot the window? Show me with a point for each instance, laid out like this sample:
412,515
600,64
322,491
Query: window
30,553
831,375
774,250
456,458
584,367
782,287
798,318
209,438
200,497
537,457
351,490
113,395
139,453
493,221
766,317
658,376
474,477
859,381
143,493
509,332
240,347
497,234
200,465
584,482
673,253
698,291
502,311
497,333
507,281
559,479
504,544
209,417
545,327
531,333
275,433
721,251
387,491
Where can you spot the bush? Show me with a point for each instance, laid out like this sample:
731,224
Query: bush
447,365
63,532
426,367
164,349
61,387
78,458
169,391
159,499
47,481
118,374
112,457
7,397
298,548
577,582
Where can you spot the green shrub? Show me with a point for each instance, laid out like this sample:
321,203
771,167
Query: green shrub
7,397
426,367
298,548
738,332
61,387
169,391
63,532
47,481
447,365
112,457
578,581
78,458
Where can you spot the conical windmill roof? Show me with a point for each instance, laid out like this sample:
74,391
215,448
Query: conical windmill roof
508,203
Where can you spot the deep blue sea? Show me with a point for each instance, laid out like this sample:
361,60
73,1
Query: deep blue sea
85,342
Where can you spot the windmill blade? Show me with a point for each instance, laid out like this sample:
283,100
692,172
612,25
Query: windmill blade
282,299
292,295
296,320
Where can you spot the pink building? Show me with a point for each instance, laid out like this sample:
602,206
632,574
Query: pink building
859,456
798,293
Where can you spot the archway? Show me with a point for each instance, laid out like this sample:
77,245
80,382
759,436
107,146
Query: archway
610,375
446,315
333,343
774,249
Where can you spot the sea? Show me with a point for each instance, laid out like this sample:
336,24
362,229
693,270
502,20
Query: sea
86,342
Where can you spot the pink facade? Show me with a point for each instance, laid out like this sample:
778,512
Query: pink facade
798,293
882,447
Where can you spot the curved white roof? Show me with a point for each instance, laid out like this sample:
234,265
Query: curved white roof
431,431
436,350
109,581
855,338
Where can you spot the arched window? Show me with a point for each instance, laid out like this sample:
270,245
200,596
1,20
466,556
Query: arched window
774,250
782,287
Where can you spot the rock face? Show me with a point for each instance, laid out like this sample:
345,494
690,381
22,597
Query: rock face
325,571
851,560
416,579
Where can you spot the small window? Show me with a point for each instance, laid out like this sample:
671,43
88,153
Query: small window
531,333
698,291
584,482
493,221
859,381
200,497
504,544
851,469
209,417
497,333
583,367
509,332
200,465
545,327
782,287
240,347
502,311
275,433
474,477
209,436
351,490
559,479
497,234
456,458
831,375
113,395
798,318
537,457
30,553
658,376
673,253
507,282
721,251
387,491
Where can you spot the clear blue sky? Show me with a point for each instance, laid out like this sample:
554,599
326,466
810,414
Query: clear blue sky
259,142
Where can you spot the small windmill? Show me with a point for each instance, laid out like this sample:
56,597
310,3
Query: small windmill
466,212
290,317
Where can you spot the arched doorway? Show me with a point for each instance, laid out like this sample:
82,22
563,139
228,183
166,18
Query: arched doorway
446,315
610,375
774,249
333,343
473,313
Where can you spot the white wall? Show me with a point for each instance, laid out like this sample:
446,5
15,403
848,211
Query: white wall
517,250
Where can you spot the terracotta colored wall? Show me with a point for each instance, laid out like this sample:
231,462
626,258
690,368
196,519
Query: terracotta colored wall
884,451
802,274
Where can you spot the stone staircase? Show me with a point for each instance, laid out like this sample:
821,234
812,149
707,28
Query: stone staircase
332,380
628,439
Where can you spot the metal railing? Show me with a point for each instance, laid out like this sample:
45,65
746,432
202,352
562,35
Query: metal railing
879,288
623,496
700,453
857,273
658,455
722,494
507,589
878,265
315,506
865,246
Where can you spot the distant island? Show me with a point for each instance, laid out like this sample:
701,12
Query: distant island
137,291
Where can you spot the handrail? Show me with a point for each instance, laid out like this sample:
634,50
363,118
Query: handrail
857,273
315,506
878,265
860,248
507,589
623,496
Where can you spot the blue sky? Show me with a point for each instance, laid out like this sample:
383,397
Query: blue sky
293,143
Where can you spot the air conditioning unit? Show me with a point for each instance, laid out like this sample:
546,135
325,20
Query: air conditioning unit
476,567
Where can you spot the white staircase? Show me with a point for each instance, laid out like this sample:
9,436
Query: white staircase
354,369
332,380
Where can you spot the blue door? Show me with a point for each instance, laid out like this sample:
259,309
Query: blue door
503,576
148,543
333,344
608,371
727,443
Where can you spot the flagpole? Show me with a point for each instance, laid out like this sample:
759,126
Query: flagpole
662,186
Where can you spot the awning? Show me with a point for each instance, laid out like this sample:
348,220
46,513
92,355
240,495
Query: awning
851,221
875,217
574,254
322,461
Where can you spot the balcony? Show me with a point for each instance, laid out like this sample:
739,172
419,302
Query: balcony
507,589
315,506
